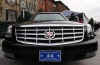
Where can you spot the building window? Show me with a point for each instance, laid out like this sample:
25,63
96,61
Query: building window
1,2
11,2
0,11
10,15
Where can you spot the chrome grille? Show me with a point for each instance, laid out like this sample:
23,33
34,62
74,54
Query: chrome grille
35,34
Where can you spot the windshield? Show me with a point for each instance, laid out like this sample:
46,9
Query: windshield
49,17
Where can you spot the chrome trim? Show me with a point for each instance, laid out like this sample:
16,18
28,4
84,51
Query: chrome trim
62,34
48,25
44,34
43,29
36,35
37,25
43,44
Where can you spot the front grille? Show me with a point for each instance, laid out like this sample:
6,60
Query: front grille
35,34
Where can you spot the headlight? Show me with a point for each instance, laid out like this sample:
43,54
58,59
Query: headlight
89,28
89,33
9,32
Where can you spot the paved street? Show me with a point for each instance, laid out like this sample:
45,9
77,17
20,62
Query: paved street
92,61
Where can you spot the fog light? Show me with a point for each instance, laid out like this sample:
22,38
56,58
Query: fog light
90,54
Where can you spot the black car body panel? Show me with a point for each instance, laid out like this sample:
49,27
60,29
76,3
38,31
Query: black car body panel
75,48
70,52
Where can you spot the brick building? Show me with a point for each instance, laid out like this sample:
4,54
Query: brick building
52,6
47,5
10,9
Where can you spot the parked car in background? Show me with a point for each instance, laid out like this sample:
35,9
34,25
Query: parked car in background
81,18
49,37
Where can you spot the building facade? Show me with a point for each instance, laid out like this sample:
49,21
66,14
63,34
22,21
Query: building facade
46,5
10,9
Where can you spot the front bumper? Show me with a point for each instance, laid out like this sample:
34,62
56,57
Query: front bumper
70,52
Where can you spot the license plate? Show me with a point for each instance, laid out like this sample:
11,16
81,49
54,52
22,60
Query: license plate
50,56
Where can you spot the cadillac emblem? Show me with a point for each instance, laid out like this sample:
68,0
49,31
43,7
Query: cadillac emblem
49,34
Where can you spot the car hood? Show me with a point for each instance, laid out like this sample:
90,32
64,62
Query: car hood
50,22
